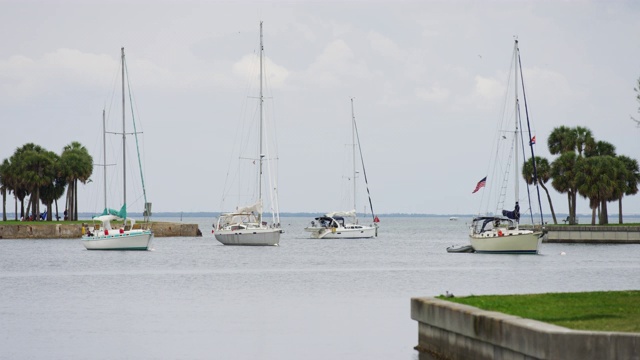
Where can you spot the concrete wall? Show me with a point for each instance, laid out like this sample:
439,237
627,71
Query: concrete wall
164,229
74,231
448,330
45,231
593,234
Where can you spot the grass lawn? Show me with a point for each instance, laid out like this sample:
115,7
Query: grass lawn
597,311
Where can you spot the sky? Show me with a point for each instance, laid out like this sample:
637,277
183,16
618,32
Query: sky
428,80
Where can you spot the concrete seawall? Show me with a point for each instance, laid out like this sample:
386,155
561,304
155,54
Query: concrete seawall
74,231
448,330
593,234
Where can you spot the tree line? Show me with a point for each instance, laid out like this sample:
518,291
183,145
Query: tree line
585,167
39,175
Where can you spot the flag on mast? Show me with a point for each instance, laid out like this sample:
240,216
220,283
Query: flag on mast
480,184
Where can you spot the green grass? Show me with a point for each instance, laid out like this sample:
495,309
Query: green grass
596,311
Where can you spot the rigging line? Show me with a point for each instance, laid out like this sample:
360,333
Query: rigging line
526,109
373,214
524,153
135,134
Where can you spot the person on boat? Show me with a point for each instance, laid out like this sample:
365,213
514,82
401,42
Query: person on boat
514,215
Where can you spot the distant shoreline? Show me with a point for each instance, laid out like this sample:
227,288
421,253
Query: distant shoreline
548,217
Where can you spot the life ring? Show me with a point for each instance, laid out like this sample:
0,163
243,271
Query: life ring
500,233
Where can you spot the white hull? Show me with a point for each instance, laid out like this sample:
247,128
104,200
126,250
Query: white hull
127,240
249,237
503,241
362,232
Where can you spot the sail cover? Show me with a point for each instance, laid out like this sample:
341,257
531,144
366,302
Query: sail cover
122,213
257,207
350,213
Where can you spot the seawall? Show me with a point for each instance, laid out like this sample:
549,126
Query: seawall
74,231
448,330
592,234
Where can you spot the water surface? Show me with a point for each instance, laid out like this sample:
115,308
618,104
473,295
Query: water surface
193,298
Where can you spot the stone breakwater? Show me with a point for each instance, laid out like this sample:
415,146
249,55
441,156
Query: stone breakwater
74,231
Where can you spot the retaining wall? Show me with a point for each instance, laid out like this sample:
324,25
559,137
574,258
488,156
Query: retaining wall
593,234
74,231
448,330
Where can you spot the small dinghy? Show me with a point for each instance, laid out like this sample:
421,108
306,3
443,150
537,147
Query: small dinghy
460,249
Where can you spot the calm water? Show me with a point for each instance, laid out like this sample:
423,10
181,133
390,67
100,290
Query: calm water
192,298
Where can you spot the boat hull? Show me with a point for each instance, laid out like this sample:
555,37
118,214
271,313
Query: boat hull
364,232
525,242
249,237
127,240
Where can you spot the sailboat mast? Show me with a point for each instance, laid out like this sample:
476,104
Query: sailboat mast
261,155
124,136
353,142
516,174
104,156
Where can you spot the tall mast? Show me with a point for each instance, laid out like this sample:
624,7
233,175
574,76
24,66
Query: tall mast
515,62
124,136
104,156
353,152
261,155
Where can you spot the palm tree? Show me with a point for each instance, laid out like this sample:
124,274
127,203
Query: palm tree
564,179
76,165
14,180
36,170
5,184
561,140
589,176
543,172
584,140
632,177
55,189
601,148
29,165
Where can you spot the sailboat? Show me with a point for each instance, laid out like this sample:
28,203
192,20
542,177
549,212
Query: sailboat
129,235
246,225
344,224
503,234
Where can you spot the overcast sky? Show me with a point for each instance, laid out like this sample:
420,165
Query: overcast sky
428,79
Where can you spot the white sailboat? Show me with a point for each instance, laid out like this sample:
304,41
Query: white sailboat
128,236
246,225
503,234
344,224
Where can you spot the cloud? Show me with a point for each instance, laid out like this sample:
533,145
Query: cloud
25,78
385,46
336,65
434,94
249,67
488,88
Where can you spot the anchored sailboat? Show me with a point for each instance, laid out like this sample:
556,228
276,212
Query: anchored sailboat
246,225
344,224
129,236
503,234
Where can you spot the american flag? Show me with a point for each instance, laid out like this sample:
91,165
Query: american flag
480,184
